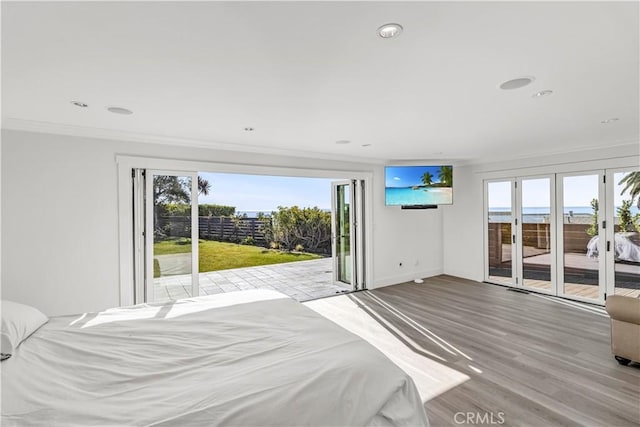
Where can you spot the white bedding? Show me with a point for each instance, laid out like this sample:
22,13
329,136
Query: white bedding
245,358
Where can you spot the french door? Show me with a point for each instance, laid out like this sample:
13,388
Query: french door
623,238
519,231
347,226
535,227
170,236
581,236
574,235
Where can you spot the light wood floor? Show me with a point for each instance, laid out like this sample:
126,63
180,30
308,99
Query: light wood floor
571,289
535,360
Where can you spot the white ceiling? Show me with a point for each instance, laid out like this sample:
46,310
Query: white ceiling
307,74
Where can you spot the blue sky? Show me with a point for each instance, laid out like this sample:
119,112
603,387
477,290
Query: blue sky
266,193
578,191
407,176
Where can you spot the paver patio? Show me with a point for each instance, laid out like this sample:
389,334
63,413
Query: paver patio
301,280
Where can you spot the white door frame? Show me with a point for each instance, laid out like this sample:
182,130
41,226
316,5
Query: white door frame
360,223
601,232
552,232
125,164
357,239
609,217
514,253
149,230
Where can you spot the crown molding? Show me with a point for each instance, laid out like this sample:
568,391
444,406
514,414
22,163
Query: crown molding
111,134
621,145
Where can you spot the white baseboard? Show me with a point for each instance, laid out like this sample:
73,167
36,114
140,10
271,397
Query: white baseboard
404,277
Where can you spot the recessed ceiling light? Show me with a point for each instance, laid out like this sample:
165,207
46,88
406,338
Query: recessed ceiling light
249,129
343,141
79,104
119,110
542,93
611,120
389,31
517,83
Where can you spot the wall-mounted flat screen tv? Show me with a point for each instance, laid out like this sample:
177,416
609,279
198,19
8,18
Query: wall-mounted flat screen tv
418,185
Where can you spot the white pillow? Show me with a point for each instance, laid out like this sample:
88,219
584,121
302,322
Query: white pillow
18,322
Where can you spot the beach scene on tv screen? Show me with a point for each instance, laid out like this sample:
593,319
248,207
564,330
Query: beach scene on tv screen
418,185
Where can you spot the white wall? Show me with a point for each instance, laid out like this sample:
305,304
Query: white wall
60,219
463,245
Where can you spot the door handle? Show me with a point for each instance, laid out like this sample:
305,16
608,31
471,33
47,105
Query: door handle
608,245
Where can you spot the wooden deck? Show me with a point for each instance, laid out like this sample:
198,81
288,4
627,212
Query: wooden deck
575,262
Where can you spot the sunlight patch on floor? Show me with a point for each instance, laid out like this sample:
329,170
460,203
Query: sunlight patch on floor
431,378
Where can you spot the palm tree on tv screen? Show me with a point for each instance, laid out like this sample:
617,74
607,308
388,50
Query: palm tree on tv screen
446,175
427,178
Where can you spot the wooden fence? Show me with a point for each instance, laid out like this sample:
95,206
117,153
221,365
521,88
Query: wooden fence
221,228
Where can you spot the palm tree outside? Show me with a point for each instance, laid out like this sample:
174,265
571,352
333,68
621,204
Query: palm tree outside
203,186
632,183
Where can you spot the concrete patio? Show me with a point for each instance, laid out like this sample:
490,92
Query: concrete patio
302,281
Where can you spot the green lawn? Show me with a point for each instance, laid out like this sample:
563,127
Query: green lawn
223,255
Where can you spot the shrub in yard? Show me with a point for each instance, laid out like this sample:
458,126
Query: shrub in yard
299,248
248,241
183,209
216,210
308,227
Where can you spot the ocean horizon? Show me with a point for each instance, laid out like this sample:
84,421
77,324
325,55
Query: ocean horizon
579,210
539,215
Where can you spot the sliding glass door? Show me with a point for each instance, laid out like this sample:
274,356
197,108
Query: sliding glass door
171,235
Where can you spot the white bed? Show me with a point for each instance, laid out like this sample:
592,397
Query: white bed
244,358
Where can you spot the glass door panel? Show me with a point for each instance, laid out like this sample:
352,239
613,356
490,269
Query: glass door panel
171,236
626,240
499,232
581,236
537,231
342,213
